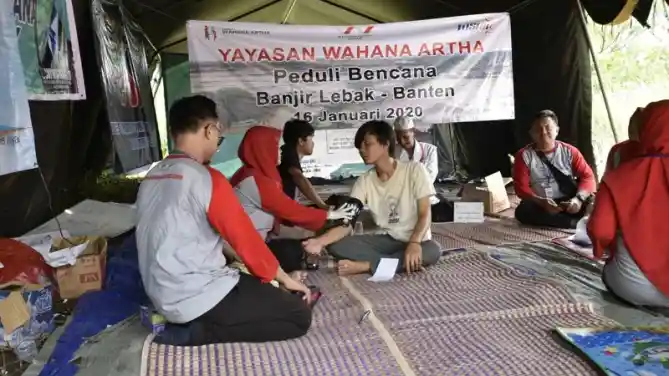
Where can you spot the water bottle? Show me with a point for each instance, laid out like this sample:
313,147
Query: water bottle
26,350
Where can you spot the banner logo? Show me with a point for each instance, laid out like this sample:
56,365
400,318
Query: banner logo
210,33
357,32
484,27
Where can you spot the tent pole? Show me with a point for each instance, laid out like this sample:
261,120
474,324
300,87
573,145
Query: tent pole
581,13
289,11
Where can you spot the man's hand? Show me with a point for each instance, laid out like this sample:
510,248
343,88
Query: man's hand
550,206
293,285
572,206
313,246
413,257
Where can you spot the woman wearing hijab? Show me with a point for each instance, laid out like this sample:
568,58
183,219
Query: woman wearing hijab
258,187
629,218
629,149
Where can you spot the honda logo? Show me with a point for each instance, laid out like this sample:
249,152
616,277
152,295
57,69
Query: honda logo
358,30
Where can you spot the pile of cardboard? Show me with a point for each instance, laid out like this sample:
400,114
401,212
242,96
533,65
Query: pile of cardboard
26,309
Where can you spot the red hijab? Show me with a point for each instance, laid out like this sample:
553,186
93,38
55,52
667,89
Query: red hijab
259,152
640,196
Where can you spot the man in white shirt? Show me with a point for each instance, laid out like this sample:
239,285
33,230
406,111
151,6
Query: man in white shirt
412,150
398,195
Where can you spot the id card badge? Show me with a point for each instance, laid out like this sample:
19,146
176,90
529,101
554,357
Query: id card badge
548,192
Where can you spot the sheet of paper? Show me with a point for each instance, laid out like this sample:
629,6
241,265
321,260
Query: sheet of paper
42,242
468,212
385,271
66,256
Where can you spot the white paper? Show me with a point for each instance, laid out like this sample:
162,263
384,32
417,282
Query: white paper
65,256
468,212
42,243
385,271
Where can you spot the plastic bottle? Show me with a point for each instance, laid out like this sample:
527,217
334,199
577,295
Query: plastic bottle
26,351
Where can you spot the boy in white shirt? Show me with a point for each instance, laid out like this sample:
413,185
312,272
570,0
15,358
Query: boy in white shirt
398,196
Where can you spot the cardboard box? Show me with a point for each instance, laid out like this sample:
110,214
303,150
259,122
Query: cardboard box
151,319
26,314
492,193
88,273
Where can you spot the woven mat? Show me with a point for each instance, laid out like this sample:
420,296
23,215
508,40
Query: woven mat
493,231
470,315
335,345
467,315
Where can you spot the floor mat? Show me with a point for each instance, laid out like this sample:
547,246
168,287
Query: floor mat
485,318
493,231
337,344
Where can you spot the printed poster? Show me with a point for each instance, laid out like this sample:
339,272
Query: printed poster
49,49
17,142
338,77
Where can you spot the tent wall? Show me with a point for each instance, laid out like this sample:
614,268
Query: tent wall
551,71
71,138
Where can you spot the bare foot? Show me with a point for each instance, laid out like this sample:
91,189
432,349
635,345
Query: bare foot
299,275
348,267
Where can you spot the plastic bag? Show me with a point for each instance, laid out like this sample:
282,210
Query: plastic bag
581,236
22,265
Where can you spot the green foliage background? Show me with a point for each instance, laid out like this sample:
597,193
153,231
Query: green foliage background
634,63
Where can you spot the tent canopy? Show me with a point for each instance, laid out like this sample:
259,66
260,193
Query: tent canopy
551,70
164,20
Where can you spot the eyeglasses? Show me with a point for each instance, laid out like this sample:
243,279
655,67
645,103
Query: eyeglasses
219,128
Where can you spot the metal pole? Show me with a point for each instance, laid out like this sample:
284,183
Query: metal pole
597,71
289,10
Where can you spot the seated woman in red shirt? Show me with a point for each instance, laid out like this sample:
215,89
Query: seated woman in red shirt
629,149
552,178
629,217
258,187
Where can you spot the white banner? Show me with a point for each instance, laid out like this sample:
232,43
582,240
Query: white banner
338,77
436,71
17,143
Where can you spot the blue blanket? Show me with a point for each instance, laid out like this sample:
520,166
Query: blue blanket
120,299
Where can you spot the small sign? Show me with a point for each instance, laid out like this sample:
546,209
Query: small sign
468,212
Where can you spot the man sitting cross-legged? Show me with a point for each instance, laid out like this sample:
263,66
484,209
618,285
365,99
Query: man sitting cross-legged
187,216
398,195
552,178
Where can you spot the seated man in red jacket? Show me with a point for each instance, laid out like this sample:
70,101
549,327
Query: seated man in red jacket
258,187
187,215
552,178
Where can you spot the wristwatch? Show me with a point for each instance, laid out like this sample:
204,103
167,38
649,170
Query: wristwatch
583,197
